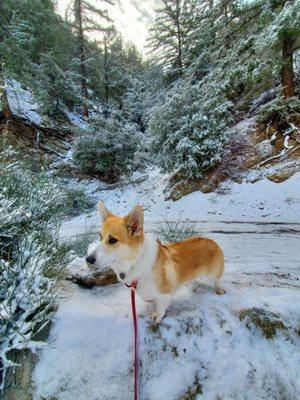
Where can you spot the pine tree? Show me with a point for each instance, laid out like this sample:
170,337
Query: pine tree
170,35
87,19
30,32
115,67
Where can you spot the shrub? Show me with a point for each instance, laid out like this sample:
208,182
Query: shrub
106,150
77,201
279,110
188,128
177,231
31,257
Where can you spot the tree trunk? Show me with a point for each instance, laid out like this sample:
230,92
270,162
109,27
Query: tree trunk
83,69
287,72
179,57
106,70
227,38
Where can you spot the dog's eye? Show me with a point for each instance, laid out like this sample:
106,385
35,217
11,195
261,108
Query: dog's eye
100,236
112,240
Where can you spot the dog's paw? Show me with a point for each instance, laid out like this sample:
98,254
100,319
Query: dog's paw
153,317
220,291
156,318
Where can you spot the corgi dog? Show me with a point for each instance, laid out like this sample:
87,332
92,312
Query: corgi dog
158,269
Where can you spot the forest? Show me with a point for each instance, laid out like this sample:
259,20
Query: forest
213,97
207,62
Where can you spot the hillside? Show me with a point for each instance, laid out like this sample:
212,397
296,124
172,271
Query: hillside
201,128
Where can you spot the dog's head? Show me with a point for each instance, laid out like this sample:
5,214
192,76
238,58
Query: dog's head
120,241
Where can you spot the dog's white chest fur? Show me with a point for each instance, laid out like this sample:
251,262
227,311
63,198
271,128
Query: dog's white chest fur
142,270
147,290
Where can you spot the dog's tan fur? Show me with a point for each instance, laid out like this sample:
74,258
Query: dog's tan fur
159,268
178,263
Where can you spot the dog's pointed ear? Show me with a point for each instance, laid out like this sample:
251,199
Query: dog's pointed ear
103,211
135,220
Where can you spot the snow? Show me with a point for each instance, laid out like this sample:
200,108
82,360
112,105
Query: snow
76,119
243,128
21,102
264,202
91,355
201,338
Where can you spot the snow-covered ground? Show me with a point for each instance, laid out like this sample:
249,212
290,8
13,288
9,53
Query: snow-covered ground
203,344
263,202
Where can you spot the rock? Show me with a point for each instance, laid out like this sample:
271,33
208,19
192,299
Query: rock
101,278
208,187
18,382
280,176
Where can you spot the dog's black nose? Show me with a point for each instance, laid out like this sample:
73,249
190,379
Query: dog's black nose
91,259
122,275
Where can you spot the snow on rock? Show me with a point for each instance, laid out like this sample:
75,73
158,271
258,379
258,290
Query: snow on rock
76,119
22,103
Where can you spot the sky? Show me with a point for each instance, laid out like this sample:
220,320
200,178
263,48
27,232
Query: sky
133,18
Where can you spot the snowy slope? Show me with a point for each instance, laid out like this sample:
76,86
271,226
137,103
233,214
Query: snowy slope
201,345
262,202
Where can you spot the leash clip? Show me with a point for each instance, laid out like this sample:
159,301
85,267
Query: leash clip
132,285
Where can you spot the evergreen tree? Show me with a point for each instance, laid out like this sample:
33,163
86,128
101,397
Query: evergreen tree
57,89
87,19
171,33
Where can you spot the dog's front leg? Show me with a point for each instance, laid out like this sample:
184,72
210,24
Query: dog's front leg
162,303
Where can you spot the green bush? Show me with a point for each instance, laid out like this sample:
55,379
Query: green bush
32,259
106,150
177,231
188,128
77,201
279,110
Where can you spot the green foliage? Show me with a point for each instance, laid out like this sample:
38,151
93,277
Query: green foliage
57,89
279,110
77,201
170,37
107,149
230,52
36,196
188,128
30,29
32,259
80,243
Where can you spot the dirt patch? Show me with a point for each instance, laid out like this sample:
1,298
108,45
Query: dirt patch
193,391
268,322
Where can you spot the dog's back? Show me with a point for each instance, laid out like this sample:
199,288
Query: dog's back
196,256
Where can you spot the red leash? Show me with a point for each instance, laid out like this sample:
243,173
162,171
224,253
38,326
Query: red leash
133,286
